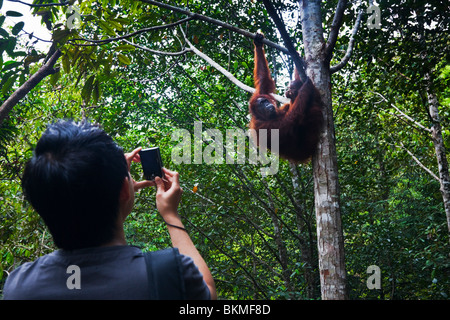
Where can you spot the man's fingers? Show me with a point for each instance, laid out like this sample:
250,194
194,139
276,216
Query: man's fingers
172,176
133,156
176,178
168,172
143,184
159,185
137,158
133,153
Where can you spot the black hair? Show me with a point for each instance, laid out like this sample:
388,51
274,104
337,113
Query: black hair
73,181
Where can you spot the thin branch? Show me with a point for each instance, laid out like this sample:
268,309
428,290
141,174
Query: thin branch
335,26
260,291
246,182
197,16
45,70
40,39
105,41
298,60
419,163
405,115
164,53
351,43
227,74
220,68
381,61
199,195
155,79
41,5
226,110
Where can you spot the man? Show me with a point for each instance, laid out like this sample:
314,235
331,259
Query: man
78,181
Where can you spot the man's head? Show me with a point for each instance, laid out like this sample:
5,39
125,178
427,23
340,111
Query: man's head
73,181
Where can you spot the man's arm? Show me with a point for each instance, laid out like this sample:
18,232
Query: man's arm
168,197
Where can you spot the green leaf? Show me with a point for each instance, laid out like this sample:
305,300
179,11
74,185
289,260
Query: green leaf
66,63
3,45
107,28
60,35
5,77
54,78
122,20
2,19
13,14
4,33
124,59
116,25
33,57
17,28
11,65
125,47
96,92
11,46
87,89
8,84
89,17
19,54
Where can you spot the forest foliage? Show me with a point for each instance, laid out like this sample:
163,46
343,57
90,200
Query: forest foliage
254,232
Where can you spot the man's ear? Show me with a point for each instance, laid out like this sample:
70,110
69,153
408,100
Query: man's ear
125,192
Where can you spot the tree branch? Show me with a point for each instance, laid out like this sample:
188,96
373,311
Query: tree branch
33,36
41,5
405,115
419,163
260,291
298,60
105,41
335,26
163,53
45,70
351,43
197,16
227,74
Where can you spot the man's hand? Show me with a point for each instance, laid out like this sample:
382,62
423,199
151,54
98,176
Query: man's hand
133,156
168,195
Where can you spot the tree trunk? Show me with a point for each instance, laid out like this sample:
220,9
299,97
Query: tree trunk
439,147
33,81
330,241
282,251
306,238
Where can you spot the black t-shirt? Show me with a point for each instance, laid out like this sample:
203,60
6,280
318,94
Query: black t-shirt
117,272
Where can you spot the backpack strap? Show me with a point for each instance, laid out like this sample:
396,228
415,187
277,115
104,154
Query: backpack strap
165,279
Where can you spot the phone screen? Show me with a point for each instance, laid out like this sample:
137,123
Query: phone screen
151,163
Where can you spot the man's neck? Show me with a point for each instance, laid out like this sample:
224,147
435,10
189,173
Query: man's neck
118,240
